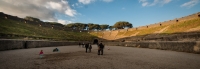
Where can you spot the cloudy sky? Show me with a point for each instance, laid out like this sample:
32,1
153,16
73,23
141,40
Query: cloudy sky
137,12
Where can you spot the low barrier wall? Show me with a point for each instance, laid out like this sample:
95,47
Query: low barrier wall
182,46
22,44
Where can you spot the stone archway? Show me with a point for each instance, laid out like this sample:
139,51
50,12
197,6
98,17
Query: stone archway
95,41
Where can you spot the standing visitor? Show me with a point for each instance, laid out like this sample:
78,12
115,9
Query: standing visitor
86,47
90,47
79,44
83,44
100,49
41,54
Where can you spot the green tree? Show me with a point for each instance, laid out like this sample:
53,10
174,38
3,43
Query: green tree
110,27
77,26
122,25
104,27
71,26
92,26
97,27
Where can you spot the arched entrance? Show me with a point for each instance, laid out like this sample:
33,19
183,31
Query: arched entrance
95,41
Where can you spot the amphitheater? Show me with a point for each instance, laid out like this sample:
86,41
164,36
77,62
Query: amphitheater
155,46
157,28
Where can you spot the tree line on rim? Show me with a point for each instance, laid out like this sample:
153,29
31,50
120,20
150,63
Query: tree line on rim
89,26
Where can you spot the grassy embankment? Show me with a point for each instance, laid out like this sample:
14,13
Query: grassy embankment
184,26
19,30
192,25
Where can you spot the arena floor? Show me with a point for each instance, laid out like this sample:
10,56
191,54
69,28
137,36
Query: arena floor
74,57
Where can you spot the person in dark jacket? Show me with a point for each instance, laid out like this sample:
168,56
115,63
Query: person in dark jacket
90,47
86,47
56,50
100,49
79,44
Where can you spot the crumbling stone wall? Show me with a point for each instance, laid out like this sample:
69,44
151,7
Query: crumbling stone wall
11,44
181,19
7,44
181,46
186,36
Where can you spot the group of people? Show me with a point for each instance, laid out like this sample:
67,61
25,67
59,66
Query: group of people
41,54
88,46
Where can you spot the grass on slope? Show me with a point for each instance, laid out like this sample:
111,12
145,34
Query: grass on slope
177,27
150,30
173,28
120,33
183,26
18,28
99,33
128,33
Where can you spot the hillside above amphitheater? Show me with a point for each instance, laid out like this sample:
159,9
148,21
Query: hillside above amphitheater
13,27
181,29
184,28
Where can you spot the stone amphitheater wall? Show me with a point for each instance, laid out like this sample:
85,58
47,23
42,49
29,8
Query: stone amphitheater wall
181,46
7,44
182,19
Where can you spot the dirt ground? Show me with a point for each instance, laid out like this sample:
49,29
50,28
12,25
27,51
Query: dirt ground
74,57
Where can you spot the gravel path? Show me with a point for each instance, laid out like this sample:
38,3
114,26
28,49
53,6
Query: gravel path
74,57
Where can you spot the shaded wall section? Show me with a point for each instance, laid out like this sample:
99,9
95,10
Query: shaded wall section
6,44
181,46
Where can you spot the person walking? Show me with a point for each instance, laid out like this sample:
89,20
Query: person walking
100,49
90,47
86,47
79,44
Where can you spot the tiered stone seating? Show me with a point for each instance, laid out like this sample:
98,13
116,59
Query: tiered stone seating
120,34
113,35
106,34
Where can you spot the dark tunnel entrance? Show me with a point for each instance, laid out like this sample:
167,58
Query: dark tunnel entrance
95,41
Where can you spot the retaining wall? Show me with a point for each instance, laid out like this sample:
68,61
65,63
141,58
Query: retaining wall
22,44
182,46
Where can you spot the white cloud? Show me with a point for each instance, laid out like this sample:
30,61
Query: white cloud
54,5
142,0
86,1
190,4
145,4
107,0
70,12
42,9
155,2
77,5
166,1
64,22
